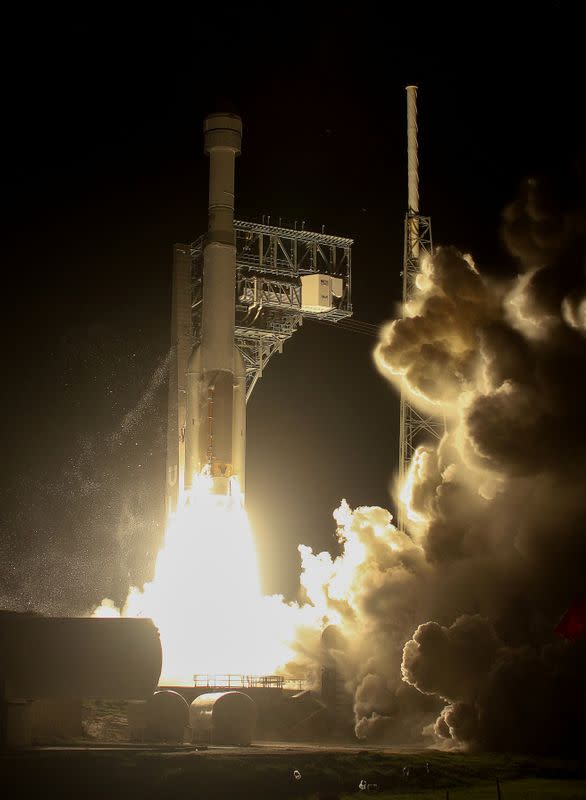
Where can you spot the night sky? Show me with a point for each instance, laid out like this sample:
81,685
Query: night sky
103,170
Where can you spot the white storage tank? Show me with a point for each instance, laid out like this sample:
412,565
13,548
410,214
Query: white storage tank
166,717
223,718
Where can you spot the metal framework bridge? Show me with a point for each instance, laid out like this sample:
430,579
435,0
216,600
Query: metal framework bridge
233,681
270,263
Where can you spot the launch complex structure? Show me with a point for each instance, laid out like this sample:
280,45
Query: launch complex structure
240,291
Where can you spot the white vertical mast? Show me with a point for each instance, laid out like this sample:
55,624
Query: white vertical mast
412,173
412,155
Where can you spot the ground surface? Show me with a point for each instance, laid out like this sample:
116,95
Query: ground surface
266,772
533,789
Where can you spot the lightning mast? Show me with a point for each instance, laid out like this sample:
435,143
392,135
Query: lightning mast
417,245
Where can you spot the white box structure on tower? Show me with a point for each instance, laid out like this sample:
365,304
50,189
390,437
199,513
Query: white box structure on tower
318,291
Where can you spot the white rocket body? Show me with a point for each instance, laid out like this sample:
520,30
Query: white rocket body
215,431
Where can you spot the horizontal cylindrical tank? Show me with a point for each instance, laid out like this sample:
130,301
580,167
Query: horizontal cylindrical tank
166,717
223,718
78,657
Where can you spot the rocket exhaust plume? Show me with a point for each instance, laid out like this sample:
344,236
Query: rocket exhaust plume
216,388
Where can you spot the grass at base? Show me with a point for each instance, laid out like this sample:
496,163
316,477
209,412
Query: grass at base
175,775
530,789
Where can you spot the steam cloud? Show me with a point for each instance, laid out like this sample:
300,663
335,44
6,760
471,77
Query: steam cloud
450,625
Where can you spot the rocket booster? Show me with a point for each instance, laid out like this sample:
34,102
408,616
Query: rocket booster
215,430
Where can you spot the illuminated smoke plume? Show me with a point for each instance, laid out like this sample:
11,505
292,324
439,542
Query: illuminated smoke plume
450,626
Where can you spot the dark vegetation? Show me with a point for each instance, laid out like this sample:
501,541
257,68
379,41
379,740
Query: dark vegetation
182,772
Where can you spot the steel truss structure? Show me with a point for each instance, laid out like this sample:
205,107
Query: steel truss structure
232,681
414,423
415,426
270,262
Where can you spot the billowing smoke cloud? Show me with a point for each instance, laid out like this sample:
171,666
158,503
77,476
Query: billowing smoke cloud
435,348
451,625
499,697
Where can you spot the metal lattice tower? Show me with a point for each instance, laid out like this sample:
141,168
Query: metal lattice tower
414,424
270,265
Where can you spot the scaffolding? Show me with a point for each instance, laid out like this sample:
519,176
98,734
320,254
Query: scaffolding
236,681
270,265
415,426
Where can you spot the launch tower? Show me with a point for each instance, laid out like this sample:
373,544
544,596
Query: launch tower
417,244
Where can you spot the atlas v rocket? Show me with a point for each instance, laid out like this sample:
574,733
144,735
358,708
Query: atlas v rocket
216,378
209,387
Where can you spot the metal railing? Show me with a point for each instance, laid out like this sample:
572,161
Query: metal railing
232,681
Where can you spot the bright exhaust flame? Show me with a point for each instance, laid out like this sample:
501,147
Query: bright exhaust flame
206,601
205,597
414,475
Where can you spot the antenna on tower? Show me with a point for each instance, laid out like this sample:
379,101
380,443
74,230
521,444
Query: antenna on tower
414,425
412,154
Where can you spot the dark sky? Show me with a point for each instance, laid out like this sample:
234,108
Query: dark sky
103,171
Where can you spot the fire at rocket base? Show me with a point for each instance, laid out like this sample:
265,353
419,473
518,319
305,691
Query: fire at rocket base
215,431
